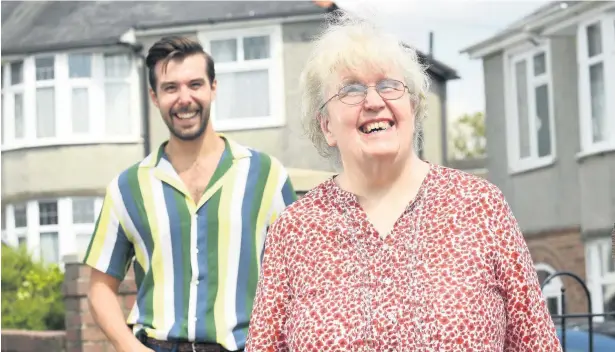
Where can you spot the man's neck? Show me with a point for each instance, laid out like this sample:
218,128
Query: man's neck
184,154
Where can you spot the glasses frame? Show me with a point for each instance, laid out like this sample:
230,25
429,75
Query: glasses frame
406,88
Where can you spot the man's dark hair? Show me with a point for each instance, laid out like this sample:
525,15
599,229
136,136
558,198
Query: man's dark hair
173,47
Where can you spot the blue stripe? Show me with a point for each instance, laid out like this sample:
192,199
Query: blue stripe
179,326
288,193
240,330
133,212
201,293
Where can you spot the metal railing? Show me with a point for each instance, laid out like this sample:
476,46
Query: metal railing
564,316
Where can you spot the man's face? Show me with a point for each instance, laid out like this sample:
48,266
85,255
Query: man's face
184,95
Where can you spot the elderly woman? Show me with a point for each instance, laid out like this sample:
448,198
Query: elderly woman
394,253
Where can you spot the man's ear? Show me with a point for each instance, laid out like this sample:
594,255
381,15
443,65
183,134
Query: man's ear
326,130
154,97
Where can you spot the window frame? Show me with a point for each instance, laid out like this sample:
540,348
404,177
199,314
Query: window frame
595,250
275,66
516,164
607,58
67,230
63,86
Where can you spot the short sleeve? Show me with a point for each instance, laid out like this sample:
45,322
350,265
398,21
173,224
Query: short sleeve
110,251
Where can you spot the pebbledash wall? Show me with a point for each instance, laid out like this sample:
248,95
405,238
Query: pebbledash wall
82,334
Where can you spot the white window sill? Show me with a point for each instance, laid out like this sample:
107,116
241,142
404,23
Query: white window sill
251,123
596,150
67,142
530,165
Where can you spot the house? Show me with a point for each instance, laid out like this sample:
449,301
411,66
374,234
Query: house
550,128
76,110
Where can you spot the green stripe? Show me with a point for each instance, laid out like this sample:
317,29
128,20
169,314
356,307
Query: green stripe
213,205
184,223
265,169
135,189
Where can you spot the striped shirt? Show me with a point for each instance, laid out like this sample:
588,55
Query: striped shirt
196,266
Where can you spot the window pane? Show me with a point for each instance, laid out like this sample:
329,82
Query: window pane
597,96
540,64
83,242
224,50
80,110
22,241
118,120
255,48
50,247
44,68
543,128
19,212
48,213
251,88
19,116
16,72
608,293
522,109
553,305
45,113
79,65
83,210
117,65
2,118
594,40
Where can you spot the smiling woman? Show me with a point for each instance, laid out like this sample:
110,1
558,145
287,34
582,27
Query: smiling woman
394,253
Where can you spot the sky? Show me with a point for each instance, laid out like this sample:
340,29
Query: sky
456,24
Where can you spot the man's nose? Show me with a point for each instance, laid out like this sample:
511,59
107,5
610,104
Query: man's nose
184,96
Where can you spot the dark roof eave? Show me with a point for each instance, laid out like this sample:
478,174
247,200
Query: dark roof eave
41,49
227,20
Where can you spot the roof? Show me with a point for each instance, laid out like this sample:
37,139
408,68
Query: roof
29,26
552,13
36,26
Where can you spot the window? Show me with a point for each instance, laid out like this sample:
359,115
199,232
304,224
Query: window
601,276
57,227
596,55
529,110
249,77
552,292
70,98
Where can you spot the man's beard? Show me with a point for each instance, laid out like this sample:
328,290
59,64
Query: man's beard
204,113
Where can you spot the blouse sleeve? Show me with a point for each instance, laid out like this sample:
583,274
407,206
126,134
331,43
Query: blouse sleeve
272,295
529,324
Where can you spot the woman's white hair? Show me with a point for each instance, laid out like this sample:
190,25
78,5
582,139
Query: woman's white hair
351,43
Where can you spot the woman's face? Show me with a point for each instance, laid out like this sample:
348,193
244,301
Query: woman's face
372,129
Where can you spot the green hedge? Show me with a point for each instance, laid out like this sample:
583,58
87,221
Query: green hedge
31,292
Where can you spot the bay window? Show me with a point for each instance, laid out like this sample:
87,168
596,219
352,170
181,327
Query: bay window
70,98
52,228
249,74
529,118
596,56
601,276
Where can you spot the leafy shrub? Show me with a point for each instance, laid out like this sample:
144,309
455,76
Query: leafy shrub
31,292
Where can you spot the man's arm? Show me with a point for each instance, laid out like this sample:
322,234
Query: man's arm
109,255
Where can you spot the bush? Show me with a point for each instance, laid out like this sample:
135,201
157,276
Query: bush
31,292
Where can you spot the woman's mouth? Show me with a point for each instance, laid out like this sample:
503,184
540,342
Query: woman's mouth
375,127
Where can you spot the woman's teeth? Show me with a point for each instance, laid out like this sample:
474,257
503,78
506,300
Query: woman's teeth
376,126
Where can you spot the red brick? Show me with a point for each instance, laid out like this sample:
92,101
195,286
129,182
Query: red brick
97,347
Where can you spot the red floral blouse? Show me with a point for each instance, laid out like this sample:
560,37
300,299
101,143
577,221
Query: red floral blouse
454,274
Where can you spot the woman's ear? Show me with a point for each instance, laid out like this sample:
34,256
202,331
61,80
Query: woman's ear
325,126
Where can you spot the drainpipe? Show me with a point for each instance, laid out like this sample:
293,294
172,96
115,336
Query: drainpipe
128,40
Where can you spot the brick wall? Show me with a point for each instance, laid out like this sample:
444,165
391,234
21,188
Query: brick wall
22,341
82,333
564,251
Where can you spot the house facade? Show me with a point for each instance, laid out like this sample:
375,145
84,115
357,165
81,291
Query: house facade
75,109
550,128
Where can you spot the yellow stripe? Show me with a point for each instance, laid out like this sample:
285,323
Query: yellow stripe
223,248
270,189
156,263
101,232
